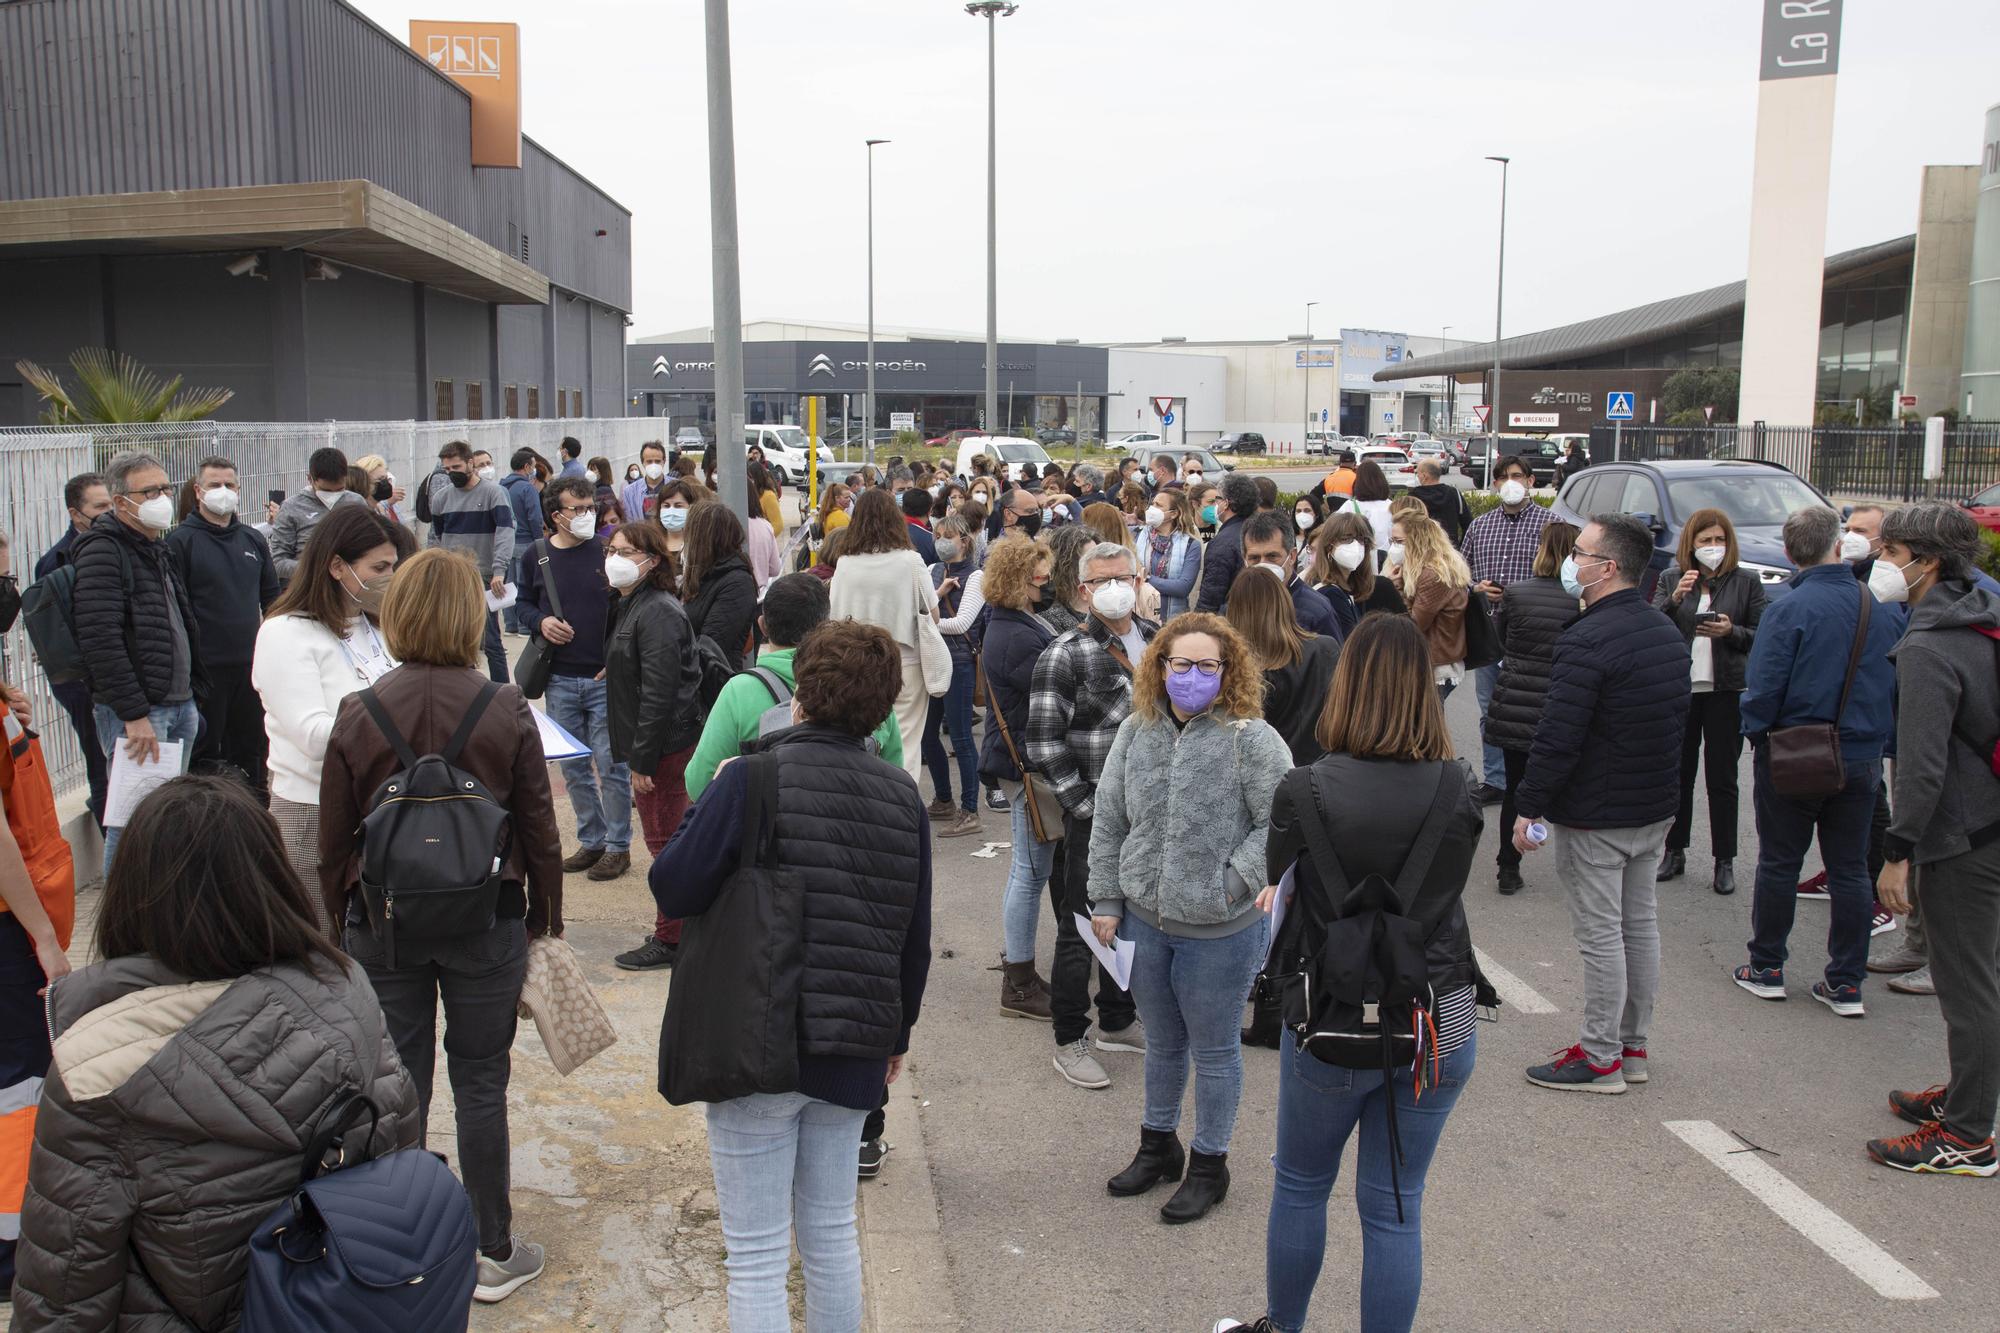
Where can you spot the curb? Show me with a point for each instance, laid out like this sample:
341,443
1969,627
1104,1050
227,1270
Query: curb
904,1272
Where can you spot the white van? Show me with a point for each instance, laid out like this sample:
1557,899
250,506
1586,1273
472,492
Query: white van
784,451
1008,452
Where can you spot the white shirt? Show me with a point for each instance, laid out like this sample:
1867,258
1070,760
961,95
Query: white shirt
1702,653
302,671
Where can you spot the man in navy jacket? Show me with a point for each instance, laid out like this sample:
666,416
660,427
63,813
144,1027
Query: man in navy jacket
1604,774
1795,676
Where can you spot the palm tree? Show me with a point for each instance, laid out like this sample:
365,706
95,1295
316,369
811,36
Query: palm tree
112,387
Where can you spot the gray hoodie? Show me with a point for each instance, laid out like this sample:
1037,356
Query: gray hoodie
1947,719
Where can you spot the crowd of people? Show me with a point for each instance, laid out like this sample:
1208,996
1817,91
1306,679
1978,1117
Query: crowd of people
1202,710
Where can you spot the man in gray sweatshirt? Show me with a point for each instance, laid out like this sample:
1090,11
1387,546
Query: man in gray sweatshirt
471,514
1946,823
326,486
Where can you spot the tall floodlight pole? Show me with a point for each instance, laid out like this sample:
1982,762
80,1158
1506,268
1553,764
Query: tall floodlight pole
731,457
868,431
1450,384
1308,378
1499,303
991,10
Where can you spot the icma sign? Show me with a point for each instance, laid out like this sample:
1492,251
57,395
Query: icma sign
1801,39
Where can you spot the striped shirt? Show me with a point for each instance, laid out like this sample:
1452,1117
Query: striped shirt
1455,1014
477,519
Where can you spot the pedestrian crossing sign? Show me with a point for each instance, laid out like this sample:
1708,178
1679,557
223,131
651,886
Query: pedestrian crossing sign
1618,405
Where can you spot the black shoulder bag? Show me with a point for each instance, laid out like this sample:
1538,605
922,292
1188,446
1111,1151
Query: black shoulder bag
538,658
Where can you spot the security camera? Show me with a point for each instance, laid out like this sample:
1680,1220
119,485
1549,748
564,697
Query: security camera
245,266
319,270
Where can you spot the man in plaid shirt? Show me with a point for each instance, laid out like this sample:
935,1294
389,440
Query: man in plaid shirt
1500,546
1082,690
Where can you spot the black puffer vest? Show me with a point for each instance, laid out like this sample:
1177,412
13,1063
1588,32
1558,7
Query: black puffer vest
852,826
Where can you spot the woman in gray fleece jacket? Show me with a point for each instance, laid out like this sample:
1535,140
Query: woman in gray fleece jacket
1176,860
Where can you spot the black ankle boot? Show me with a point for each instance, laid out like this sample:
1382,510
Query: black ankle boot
1207,1184
1672,866
1160,1158
1725,876
1510,880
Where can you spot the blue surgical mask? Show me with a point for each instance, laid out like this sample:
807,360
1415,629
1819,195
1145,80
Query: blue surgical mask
1208,514
1572,584
673,520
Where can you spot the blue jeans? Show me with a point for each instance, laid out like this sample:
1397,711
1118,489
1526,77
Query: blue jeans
1028,871
1190,994
1785,827
953,709
171,722
600,789
1493,760
496,652
784,1164
1319,1107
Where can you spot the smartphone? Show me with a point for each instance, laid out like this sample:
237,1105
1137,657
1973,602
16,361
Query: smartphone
1707,617
275,497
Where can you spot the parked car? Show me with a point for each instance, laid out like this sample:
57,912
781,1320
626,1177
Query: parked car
690,437
785,449
1985,508
1009,452
1395,464
1211,466
1241,442
1128,443
1758,496
1321,442
950,440
1056,435
829,473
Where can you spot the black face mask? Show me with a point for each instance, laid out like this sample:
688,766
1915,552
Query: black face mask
383,490
460,479
10,602
1029,523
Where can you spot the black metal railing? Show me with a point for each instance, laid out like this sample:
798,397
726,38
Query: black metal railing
1885,462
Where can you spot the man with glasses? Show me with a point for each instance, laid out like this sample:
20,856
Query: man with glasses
1081,692
568,570
230,578
135,624
1604,778
1500,548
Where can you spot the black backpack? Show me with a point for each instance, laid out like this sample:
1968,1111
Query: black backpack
48,613
433,840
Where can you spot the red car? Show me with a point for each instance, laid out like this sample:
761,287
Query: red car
1985,508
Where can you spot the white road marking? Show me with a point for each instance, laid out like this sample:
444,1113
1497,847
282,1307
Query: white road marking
1513,990
1805,1214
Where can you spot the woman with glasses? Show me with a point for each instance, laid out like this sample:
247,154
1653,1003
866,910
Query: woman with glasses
1183,889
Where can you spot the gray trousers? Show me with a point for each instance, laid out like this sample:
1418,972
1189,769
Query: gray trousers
1962,902
1607,877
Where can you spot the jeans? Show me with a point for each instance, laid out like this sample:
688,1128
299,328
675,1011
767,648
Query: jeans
1713,740
600,788
171,722
1516,764
233,733
1607,875
1785,827
496,652
660,813
1319,1108
1069,976
784,1165
479,979
954,709
1028,870
74,696
1191,994
1962,895
1494,766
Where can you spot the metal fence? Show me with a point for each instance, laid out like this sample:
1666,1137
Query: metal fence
1886,462
270,456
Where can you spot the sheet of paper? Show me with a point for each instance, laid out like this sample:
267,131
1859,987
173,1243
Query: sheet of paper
132,782
1278,906
1118,958
509,594
557,743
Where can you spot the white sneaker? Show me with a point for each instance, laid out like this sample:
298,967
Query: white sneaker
1132,1039
499,1278
1075,1063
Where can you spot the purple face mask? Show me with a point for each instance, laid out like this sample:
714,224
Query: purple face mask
1191,691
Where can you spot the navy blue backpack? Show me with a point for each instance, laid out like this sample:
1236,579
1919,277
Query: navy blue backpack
368,1244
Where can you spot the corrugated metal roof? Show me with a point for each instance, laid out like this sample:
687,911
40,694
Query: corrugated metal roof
1608,333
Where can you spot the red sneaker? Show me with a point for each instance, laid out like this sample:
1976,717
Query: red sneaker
1936,1151
1919,1108
1814,890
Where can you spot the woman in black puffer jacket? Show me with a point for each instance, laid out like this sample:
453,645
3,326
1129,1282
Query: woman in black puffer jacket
1533,614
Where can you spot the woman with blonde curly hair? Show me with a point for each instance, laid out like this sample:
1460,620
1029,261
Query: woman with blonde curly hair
1435,581
1176,862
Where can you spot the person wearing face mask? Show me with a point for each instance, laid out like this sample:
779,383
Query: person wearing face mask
1947,813
1170,549
1717,605
676,499
1224,558
471,514
326,486
1080,694
643,483
565,598
1184,890
1344,562
1019,512
1533,614
1603,775
230,577
524,500
1500,547
1817,661
960,592
135,624
85,496
320,642
1268,540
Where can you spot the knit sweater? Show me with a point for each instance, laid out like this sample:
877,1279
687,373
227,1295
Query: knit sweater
476,519
886,589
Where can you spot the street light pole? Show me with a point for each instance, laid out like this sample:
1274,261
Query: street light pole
1499,304
868,431
1309,378
732,459
991,10
1450,384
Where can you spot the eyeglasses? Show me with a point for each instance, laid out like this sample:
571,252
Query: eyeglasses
153,492
1110,578
572,511
1208,666
1582,554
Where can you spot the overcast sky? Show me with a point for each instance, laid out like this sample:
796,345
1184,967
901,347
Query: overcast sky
1202,169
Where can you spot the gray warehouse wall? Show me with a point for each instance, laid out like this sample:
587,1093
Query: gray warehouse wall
361,336
183,315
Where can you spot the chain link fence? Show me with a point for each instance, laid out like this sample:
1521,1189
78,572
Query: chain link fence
35,461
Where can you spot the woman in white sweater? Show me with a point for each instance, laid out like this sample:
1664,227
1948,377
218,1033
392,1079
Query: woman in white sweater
881,580
319,644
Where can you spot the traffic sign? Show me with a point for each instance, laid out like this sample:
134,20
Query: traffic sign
1322,414
1167,419
1483,410
1162,406
1618,405
1708,413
